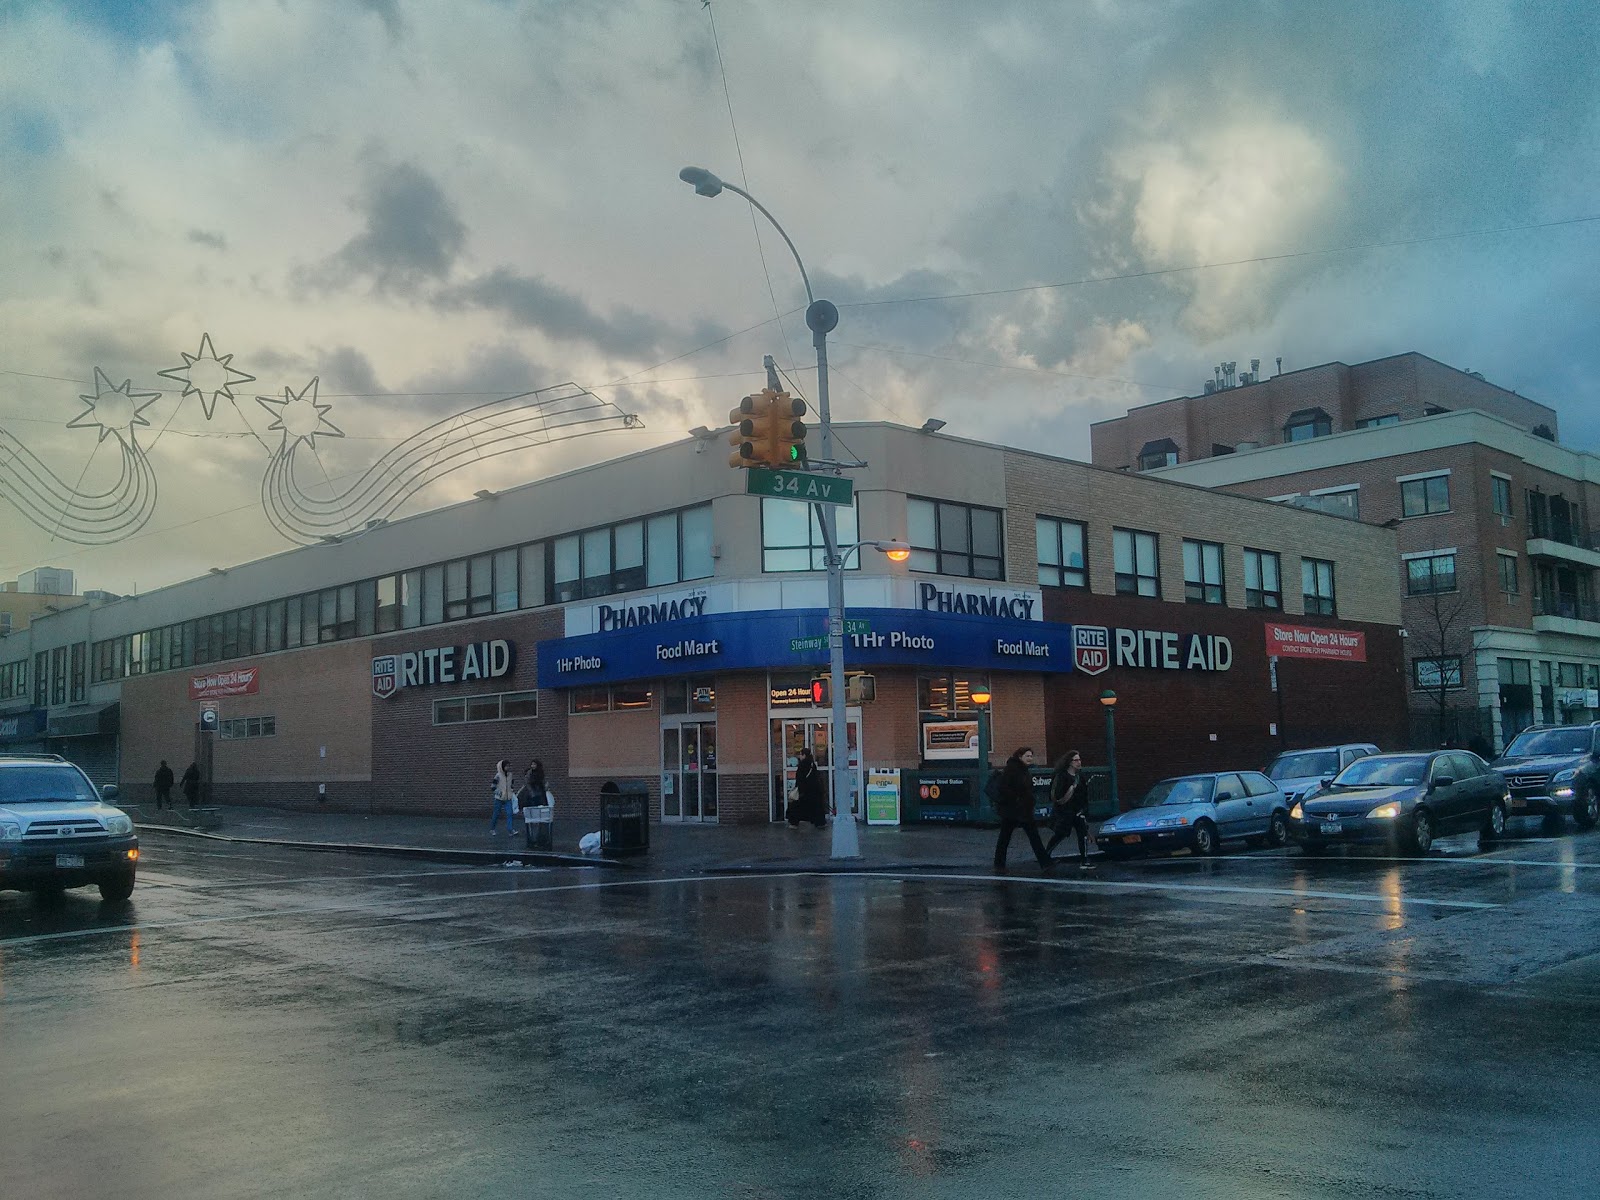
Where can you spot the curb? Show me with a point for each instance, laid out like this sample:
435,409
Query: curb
424,853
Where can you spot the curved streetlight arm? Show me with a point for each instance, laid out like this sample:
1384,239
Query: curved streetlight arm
762,209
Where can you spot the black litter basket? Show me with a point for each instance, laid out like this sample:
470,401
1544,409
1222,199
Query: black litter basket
624,818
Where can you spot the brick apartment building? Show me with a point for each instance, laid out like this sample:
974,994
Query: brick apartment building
644,620
1492,516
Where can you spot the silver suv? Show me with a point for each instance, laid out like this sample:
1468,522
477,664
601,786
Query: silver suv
1301,772
56,832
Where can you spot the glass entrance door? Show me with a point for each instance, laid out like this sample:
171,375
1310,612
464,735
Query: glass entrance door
790,733
688,770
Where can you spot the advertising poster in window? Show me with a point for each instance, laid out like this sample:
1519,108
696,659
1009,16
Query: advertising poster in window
944,740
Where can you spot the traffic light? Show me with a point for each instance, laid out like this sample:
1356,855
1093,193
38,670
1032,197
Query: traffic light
820,695
787,436
749,422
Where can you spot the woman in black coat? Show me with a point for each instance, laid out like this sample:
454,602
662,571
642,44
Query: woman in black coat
812,804
1015,806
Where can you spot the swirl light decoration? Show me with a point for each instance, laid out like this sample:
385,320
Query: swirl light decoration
536,418
88,518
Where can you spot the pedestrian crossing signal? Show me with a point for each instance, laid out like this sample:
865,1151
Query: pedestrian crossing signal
820,695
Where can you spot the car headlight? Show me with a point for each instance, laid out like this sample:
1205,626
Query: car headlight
1170,821
119,824
10,831
1385,812
1297,813
1566,776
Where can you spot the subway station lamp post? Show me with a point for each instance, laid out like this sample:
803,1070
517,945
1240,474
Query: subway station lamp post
821,318
981,698
1109,699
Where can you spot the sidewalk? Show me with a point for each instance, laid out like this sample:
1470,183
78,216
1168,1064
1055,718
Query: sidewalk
674,849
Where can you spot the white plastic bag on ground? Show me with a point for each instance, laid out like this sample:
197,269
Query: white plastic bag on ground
589,843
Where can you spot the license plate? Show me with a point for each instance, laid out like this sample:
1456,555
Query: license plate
69,860
1331,827
1130,839
1518,802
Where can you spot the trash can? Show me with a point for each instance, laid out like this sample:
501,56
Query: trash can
624,818
539,820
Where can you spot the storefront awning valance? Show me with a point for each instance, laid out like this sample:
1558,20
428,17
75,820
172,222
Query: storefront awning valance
84,721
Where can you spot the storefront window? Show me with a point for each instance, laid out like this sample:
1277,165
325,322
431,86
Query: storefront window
589,700
702,695
942,695
630,696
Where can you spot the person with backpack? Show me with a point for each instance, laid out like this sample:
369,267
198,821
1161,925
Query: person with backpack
503,797
1069,803
1014,803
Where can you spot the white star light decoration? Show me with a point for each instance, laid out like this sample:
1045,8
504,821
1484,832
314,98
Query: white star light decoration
117,410
300,417
206,375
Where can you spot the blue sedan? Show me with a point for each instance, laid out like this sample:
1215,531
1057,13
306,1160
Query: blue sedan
1199,813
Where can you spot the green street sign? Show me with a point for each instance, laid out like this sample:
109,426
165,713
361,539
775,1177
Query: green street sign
798,485
796,645
856,628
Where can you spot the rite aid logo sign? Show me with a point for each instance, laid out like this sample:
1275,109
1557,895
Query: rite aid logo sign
384,683
1091,648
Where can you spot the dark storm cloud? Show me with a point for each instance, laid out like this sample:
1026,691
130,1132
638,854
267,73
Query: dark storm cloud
347,370
206,237
476,376
411,235
532,302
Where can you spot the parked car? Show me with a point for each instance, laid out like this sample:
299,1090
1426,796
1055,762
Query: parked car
57,832
1554,770
1200,812
1404,800
1300,771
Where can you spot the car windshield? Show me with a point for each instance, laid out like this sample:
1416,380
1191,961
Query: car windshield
1306,764
1409,769
43,784
1550,741
1195,790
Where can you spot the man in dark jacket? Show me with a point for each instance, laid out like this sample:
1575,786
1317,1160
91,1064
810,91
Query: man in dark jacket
812,800
1015,806
163,785
191,784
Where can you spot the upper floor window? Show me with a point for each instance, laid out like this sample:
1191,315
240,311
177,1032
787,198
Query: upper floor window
791,536
1202,572
1263,586
1162,453
1306,424
1137,561
955,539
1316,586
1508,572
1377,422
1344,501
1061,553
1420,497
1427,574
666,548
1500,497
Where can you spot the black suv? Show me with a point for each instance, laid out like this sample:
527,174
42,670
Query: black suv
1554,770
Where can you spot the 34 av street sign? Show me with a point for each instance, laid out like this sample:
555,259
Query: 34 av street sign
798,485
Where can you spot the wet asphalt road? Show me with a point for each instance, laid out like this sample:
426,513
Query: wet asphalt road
265,1023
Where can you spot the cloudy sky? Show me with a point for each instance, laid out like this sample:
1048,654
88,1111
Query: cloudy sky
429,206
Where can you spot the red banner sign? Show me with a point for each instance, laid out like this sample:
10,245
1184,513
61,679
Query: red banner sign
241,681
1306,641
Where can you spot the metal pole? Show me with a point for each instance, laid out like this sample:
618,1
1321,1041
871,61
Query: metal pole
822,317
983,761
1111,754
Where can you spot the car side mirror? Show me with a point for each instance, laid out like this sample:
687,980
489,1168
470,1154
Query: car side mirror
1328,782
1442,781
110,791
1221,796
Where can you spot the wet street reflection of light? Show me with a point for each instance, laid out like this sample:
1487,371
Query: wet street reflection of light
133,953
1567,877
1393,898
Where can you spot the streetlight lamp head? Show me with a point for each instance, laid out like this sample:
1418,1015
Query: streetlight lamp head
702,180
893,549
932,425
1108,698
981,696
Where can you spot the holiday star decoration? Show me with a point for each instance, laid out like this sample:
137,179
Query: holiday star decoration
301,418
115,410
206,375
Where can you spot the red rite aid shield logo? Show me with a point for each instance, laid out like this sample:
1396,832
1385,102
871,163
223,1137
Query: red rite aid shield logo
384,683
1091,648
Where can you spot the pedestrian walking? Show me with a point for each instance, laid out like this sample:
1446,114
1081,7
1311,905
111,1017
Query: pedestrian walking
1069,805
163,785
533,795
811,803
191,784
1015,806
503,796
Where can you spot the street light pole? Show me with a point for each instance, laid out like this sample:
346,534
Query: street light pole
1109,699
822,317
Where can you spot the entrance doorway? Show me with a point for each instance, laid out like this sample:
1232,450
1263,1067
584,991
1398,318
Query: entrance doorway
688,770
812,728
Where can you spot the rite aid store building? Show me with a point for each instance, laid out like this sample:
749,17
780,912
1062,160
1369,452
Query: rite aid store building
646,622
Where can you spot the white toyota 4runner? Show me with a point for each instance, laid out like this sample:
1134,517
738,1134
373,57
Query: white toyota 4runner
56,832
